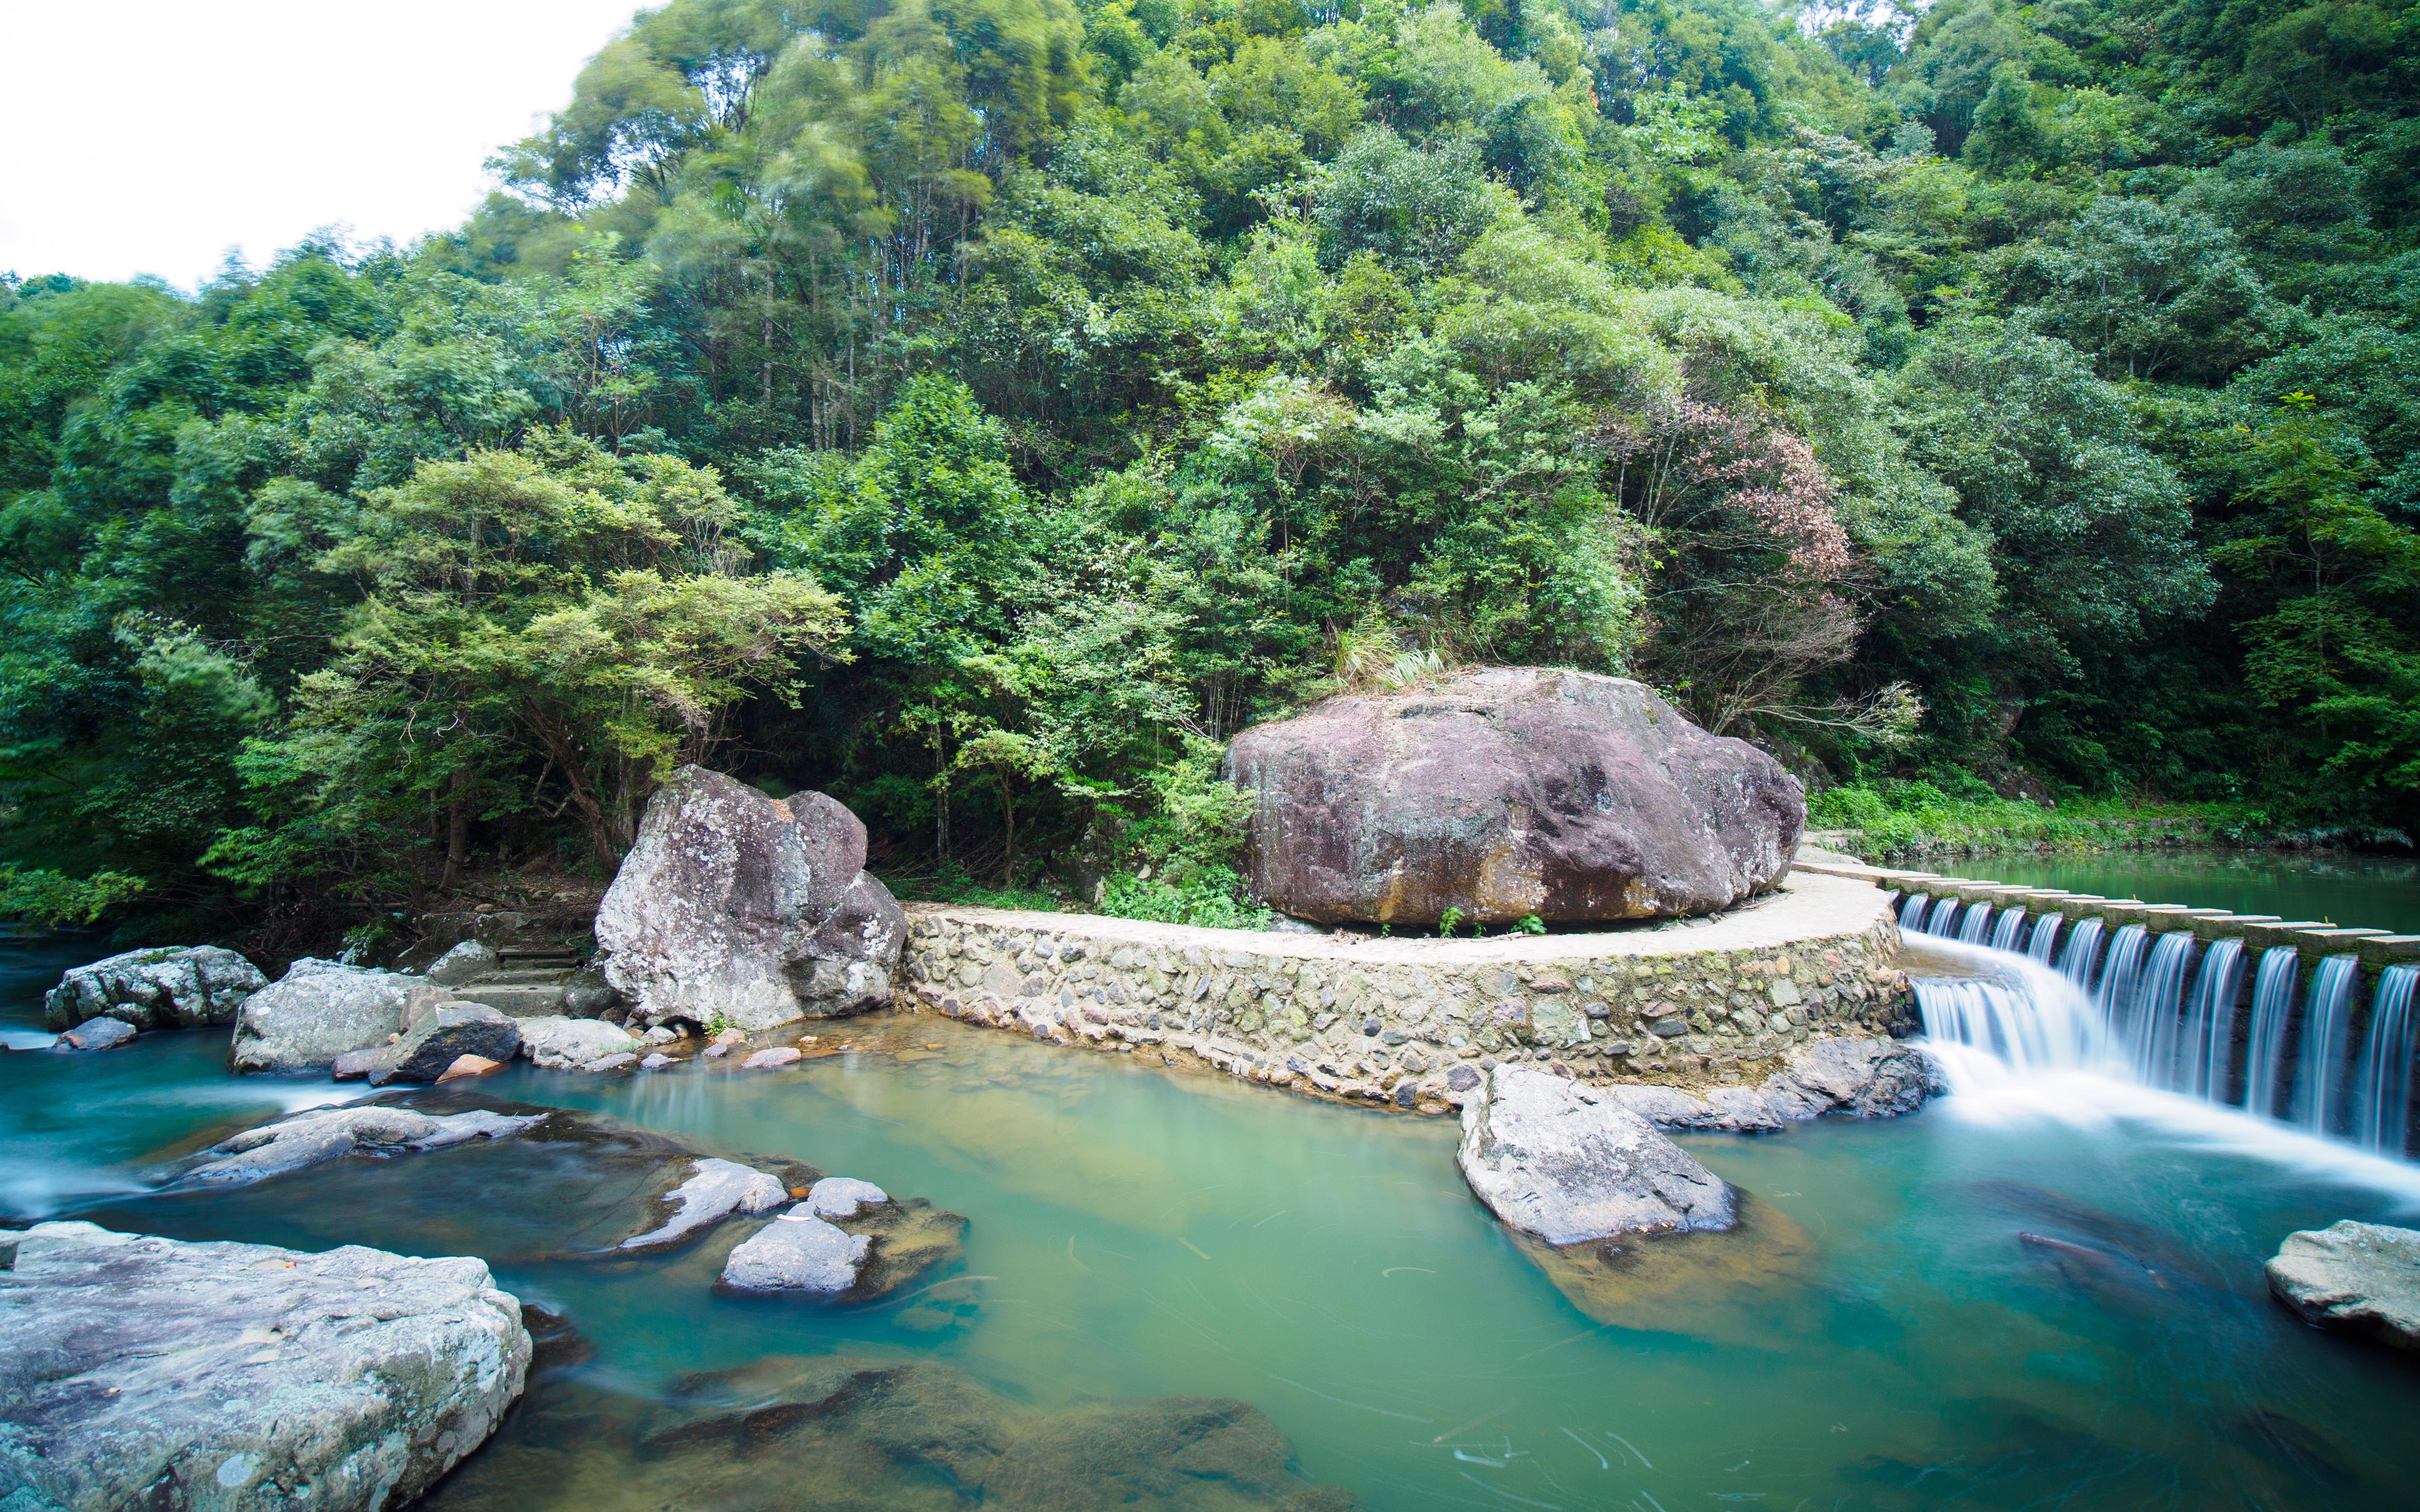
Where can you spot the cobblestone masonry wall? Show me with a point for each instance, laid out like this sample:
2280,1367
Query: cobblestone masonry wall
1408,1023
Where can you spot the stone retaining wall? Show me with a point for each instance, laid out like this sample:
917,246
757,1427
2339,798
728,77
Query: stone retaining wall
1407,1021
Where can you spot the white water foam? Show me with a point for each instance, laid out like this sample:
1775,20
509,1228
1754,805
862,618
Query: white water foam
2020,1042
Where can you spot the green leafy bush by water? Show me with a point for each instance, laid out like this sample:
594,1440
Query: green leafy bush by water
1891,820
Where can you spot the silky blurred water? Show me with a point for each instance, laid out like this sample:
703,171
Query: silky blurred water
1137,1231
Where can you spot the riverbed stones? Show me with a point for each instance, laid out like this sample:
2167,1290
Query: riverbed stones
559,1043
2357,1278
1570,1165
1500,793
831,1430
796,1252
178,987
772,1059
739,906
139,1371
715,1190
316,1012
319,1134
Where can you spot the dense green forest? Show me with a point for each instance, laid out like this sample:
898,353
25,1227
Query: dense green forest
981,409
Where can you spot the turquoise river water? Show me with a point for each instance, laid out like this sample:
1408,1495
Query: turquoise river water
1880,1338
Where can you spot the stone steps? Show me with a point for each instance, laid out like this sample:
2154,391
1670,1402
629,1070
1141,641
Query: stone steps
519,999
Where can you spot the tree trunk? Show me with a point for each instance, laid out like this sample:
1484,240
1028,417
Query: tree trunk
458,828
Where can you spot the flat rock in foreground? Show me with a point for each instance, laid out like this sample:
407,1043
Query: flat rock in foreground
1508,790
2359,1278
142,1372
1570,1165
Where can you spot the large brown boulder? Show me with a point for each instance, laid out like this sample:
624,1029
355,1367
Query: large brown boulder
748,910
1506,792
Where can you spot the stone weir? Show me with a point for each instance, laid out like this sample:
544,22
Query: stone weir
2376,949
1409,1023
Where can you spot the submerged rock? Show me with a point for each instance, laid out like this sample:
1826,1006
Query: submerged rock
173,988
1570,1165
331,1134
734,904
2355,1277
1506,792
316,1012
840,1435
559,1043
717,1189
138,1371
796,1252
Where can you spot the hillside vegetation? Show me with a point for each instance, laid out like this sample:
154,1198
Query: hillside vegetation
982,409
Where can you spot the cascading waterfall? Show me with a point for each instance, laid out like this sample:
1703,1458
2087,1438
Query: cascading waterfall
2382,1084
2083,947
2153,1017
2327,1034
2005,933
2162,1011
2207,1044
2273,1005
2044,938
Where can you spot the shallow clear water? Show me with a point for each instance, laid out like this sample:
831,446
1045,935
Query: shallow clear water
2361,891
1883,1338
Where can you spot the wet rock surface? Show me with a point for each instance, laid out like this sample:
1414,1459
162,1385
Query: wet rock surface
138,1371
1505,792
319,1010
823,1435
737,906
1569,1165
715,1190
1860,1078
2357,1278
98,1034
331,1134
171,988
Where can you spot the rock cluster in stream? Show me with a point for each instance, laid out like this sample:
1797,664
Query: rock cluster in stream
2357,1278
733,905
143,1372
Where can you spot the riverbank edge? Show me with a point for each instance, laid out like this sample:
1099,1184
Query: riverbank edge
1407,1024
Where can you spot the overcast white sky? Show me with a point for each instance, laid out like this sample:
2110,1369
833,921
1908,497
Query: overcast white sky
146,137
